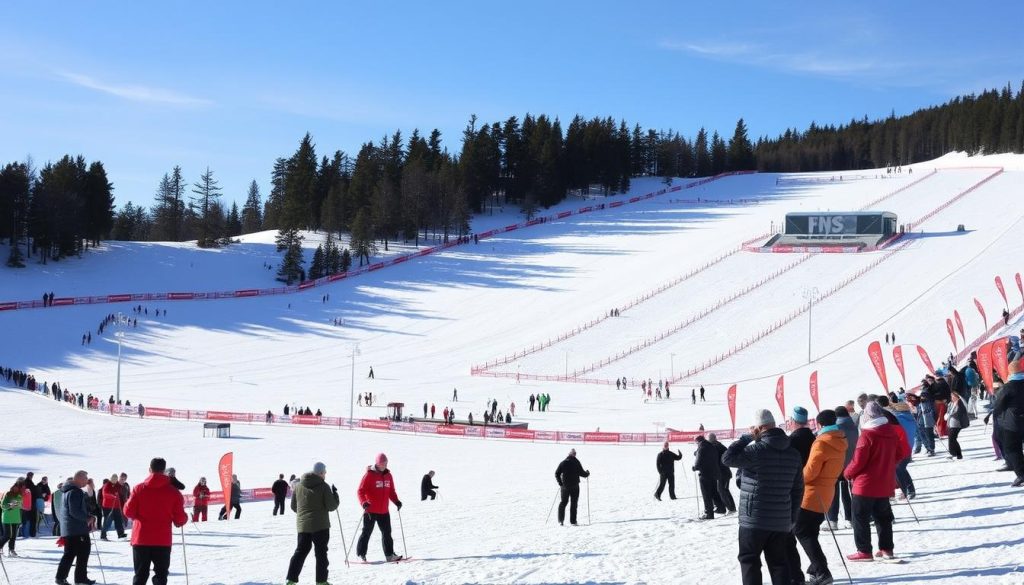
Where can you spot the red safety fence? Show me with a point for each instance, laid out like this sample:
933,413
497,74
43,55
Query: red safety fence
394,260
217,498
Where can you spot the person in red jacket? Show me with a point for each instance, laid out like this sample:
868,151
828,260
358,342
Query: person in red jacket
872,475
154,505
375,491
111,503
201,493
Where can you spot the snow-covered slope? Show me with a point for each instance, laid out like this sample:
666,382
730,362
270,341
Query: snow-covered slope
423,324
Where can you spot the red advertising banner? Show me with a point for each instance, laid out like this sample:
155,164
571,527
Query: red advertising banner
960,326
875,354
999,358
731,399
985,365
897,356
1020,286
814,390
981,309
1002,291
225,470
780,395
600,437
924,358
952,334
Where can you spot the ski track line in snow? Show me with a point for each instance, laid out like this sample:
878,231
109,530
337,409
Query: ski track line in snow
717,359
326,280
482,369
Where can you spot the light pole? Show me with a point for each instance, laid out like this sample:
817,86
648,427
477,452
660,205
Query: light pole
352,388
672,366
810,295
120,336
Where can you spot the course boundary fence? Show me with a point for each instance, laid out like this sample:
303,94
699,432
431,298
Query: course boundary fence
719,358
393,261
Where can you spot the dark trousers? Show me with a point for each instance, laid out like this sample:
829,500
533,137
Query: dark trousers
112,515
954,443
842,494
9,536
903,478
318,542
864,509
76,550
144,556
384,522
33,520
808,526
571,496
1013,450
709,493
279,505
224,512
725,494
671,481
428,494
753,542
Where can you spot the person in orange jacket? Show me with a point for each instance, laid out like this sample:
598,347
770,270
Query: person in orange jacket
154,505
375,491
826,462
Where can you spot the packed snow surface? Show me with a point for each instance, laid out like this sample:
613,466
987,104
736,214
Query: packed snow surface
423,324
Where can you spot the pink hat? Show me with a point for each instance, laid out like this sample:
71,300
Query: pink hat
382,460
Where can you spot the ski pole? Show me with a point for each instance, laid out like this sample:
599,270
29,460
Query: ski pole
696,492
907,499
196,526
836,540
99,560
184,552
342,529
359,523
552,508
402,529
4,567
588,502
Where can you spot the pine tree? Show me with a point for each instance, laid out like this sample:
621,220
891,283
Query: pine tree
233,225
719,154
741,151
207,194
346,260
252,217
702,154
97,204
291,263
317,268
15,190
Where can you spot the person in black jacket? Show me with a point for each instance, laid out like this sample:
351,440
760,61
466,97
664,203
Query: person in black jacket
171,474
706,464
427,486
34,490
1009,412
771,491
724,475
280,491
568,477
666,464
802,437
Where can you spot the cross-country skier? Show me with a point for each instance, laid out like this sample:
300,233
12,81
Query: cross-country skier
568,476
666,464
312,502
375,491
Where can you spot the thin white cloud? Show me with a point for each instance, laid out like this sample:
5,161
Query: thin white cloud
135,93
847,68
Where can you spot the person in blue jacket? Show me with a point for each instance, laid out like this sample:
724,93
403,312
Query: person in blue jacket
909,426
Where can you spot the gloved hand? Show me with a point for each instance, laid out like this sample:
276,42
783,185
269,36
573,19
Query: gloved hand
366,505
334,489
398,505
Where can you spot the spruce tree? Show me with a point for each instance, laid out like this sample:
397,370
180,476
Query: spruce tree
233,225
316,268
252,217
346,260
15,186
702,154
741,151
206,194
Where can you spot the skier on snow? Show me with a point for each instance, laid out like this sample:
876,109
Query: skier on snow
568,476
375,491
312,502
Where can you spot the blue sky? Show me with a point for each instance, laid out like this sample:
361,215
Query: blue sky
233,85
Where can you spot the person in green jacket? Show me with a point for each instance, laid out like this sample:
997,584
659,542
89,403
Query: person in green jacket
312,502
11,516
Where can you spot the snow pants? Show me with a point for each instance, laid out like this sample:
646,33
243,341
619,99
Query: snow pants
382,520
671,481
318,542
571,496
808,526
954,443
903,478
1013,451
864,509
843,495
157,556
725,494
753,543
76,550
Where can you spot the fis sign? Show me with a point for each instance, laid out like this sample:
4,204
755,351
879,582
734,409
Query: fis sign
827,225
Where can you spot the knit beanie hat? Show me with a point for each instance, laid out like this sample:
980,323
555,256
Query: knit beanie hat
799,415
319,468
382,460
763,417
872,410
